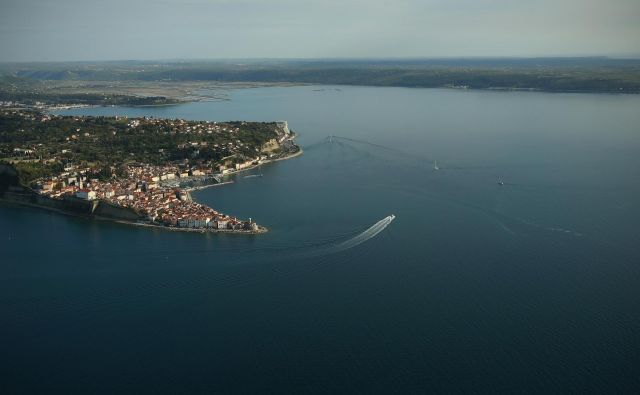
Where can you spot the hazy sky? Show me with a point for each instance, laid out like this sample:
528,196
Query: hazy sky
170,29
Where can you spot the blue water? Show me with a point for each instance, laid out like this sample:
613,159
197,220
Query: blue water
531,286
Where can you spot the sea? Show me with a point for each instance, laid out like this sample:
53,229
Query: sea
514,267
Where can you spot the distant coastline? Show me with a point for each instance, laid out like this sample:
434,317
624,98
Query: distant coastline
142,83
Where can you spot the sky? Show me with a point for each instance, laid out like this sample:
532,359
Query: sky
70,30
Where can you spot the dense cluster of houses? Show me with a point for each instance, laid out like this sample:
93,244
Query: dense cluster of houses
153,191
144,190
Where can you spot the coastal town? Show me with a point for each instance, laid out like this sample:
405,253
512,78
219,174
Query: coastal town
145,189
154,186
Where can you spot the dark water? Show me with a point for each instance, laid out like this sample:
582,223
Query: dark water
532,286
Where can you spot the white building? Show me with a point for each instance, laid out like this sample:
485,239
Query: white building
193,222
86,194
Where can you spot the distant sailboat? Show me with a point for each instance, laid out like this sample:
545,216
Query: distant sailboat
435,165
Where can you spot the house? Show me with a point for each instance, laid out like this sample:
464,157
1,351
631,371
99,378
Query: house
86,194
200,222
191,222
47,186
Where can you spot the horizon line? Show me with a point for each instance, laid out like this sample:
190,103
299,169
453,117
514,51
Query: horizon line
337,58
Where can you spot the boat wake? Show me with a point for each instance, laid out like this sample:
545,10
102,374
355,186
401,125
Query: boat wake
368,234
355,241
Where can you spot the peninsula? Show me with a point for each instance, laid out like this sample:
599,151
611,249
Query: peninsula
133,170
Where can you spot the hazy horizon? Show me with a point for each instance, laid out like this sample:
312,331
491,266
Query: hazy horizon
74,30
332,59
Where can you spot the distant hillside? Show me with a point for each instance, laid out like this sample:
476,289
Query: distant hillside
594,74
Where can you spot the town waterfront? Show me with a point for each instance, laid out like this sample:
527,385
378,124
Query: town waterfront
516,262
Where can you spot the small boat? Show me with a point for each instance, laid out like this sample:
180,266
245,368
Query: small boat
435,165
500,182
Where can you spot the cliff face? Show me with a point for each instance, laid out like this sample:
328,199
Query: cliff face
26,196
270,146
8,177
69,205
11,190
106,209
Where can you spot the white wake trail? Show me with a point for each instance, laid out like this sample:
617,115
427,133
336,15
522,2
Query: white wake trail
370,233
360,238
